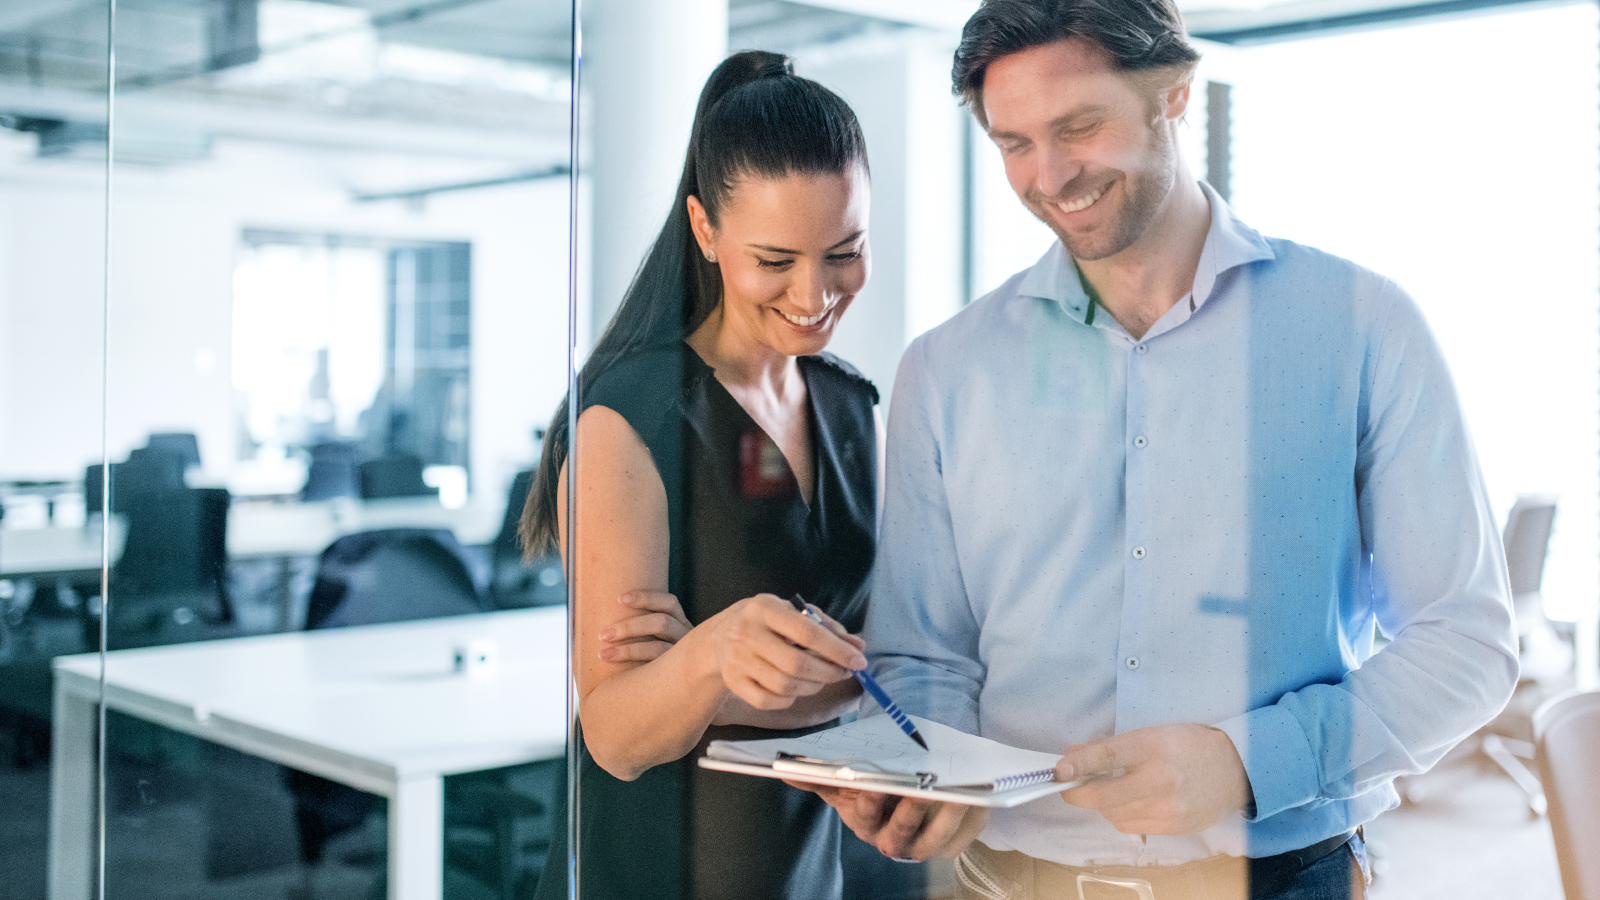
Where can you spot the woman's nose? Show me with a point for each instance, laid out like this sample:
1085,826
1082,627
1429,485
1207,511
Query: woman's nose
810,289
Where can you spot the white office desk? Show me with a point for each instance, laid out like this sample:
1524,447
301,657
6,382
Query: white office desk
255,530
377,708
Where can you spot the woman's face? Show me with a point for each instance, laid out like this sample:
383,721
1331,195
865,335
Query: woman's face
793,255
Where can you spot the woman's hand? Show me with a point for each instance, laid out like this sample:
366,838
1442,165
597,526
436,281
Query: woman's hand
769,654
657,623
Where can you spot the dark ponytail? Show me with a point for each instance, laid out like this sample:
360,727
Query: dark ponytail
755,118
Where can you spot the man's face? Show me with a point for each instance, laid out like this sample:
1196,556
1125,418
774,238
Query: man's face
1089,154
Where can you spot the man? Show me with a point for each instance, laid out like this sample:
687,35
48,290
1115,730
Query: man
1147,502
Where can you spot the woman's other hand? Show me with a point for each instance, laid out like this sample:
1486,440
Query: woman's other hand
769,654
657,623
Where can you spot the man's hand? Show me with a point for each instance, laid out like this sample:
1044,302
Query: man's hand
902,827
1166,779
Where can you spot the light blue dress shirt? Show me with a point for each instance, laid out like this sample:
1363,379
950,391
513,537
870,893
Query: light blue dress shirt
1084,534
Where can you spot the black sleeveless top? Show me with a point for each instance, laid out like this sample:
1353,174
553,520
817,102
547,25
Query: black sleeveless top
738,527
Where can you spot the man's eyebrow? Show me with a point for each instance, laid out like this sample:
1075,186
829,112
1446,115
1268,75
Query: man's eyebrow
771,249
1061,121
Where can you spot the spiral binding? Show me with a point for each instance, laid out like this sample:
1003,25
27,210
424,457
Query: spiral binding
1010,782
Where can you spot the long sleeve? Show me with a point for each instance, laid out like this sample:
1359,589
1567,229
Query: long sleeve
1434,575
920,630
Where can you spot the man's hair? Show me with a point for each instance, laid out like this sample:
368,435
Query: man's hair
1139,35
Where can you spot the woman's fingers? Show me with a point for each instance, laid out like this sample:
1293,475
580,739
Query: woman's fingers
787,622
796,662
655,625
637,651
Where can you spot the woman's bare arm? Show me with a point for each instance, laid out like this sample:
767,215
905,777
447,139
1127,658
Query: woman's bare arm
638,714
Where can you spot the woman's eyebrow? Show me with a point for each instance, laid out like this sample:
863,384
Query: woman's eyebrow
771,249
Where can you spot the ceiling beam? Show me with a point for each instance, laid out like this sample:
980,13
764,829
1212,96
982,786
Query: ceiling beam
18,15
1287,21
944,15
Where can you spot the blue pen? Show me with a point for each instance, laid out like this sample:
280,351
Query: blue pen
868,684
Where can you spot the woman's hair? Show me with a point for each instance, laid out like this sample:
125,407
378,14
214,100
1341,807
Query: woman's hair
755,118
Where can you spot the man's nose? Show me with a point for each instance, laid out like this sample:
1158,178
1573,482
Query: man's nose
1057,168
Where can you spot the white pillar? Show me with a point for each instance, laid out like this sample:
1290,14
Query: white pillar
645,62
899,88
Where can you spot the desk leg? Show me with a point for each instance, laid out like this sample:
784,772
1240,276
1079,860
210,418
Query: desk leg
72,793
416,840
284,594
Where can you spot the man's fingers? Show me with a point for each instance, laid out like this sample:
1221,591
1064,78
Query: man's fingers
1096,759
1102,794
899,834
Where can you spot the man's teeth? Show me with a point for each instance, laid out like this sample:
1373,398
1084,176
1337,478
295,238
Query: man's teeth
1081,202
806,321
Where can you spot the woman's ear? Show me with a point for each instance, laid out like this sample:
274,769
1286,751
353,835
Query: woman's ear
700,224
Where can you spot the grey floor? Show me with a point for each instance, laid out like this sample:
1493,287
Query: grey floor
1469,837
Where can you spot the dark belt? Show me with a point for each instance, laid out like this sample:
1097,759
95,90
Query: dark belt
1221,876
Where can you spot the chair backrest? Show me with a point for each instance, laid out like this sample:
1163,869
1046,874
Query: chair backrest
146,470
332,472
393,575
181,444
1566,731
506,543
177,546
1527,539
515,584
394,475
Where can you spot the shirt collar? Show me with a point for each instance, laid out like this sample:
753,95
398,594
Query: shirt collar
1229,243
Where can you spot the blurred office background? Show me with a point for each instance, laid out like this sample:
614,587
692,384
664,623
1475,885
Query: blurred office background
336,313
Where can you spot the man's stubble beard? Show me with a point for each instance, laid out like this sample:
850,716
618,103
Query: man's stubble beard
1144,191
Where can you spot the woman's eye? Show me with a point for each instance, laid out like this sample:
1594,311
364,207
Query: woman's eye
846,257
773,263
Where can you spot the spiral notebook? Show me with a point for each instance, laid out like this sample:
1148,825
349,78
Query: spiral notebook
873,754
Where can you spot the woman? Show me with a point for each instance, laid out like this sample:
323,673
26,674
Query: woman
723,465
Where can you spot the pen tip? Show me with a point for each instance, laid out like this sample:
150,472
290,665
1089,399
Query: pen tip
920,742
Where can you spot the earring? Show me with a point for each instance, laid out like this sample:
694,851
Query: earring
711,256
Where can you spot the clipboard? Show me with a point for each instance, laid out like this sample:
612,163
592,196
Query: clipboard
873,755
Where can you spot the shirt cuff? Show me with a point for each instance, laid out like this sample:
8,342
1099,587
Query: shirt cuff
1278,760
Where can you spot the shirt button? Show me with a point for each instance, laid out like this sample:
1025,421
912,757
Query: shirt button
1140,441
1141,348
1138,553
1133,662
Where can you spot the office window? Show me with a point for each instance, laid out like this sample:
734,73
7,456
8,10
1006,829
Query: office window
351,339
1458,158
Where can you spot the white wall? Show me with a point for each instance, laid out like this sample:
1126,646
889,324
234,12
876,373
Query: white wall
900,91
176,233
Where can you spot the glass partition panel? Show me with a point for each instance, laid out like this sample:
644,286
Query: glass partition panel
727,446
53,88
338,332
1152,491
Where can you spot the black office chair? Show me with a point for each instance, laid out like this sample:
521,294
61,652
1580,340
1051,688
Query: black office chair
181,444
394,475
332,472
145,470
514,584
171,582
395,575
